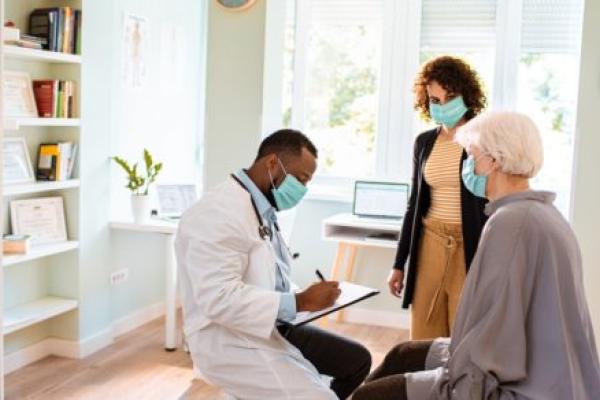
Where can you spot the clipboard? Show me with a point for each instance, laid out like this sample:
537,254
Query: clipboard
351,294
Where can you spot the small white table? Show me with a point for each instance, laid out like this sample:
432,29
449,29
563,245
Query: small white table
167,229
352,232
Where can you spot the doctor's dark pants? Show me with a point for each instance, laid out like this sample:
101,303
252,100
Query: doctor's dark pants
346,361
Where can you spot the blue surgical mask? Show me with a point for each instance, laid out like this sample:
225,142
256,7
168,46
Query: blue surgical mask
450,113
474,183
289,193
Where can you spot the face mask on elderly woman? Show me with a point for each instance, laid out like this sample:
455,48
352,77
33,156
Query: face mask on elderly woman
474,183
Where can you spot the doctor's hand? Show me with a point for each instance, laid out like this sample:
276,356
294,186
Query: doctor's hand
318,296
396,282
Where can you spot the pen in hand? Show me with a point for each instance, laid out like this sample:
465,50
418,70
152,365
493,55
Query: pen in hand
320,275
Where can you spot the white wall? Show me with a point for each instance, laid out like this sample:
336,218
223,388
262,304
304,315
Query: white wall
164,116
586,195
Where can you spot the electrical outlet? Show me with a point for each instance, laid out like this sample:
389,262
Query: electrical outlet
118,277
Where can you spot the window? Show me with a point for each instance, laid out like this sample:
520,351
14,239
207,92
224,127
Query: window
335,95
463,28
547,85
351,65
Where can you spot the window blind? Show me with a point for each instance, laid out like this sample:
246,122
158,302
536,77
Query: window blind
458,25
551,26
346,12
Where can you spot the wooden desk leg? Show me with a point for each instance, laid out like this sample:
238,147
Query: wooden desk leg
348,275
339,259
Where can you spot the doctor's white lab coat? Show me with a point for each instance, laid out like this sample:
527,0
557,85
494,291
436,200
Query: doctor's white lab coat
227,280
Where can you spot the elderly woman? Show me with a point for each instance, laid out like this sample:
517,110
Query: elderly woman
523,328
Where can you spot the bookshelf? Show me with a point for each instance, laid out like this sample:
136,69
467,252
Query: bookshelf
14,124
41,288
39,187
20,53
36,311
41,251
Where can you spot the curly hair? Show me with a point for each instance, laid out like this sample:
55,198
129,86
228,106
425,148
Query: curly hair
456,76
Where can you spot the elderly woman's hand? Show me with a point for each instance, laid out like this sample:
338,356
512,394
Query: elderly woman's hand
396,282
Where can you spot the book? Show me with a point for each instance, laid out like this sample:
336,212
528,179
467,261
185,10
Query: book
55,99
60,27
77,34
72,159
43,91
24,43
16,244
43,23
67,29
56,161
48,166
351,294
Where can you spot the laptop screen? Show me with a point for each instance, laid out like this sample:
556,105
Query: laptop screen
173,200
380,199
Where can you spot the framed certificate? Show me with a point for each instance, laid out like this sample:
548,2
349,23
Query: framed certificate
19,100
16,161
43,219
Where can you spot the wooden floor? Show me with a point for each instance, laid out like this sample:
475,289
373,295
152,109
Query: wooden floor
136,367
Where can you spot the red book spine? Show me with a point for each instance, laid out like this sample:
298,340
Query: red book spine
44,97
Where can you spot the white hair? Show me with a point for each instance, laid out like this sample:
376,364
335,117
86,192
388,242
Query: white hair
511,138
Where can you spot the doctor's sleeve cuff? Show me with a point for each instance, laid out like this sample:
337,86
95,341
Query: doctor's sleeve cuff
287,307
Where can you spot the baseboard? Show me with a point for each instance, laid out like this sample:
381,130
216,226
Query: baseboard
391,319
137,319
84,347
94,343
27,355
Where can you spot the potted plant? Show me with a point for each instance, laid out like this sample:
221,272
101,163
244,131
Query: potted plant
139,185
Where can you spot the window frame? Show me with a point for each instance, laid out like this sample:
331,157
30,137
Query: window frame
396,119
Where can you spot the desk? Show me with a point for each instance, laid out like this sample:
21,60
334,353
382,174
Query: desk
168,230
351,232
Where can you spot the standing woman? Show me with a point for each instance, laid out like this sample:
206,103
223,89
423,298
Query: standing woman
443,220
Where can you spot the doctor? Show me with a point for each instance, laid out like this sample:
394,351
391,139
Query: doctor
236,287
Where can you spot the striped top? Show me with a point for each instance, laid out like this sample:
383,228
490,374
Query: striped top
442,174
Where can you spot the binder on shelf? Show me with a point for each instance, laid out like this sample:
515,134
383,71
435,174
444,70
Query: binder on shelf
43,22
56,161
48,168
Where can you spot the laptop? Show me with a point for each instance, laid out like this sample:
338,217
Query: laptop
380,202
173,200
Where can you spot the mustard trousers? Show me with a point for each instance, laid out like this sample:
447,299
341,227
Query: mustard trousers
441,273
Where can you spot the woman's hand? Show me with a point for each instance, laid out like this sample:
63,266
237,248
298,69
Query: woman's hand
396,282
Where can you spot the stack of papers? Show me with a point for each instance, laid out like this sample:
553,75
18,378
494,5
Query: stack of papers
351,294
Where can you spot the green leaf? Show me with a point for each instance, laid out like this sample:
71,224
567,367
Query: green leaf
148,159
123,164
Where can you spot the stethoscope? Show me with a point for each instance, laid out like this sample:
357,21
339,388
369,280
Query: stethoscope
263,230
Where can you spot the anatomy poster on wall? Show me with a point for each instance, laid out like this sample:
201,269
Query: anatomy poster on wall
135,50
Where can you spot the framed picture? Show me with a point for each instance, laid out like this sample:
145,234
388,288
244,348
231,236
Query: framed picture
16,161
19,100
43,219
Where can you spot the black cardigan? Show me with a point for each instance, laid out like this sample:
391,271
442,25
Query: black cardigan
472,208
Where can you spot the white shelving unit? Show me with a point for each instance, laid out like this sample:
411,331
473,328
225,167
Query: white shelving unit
13,124
38,187
40,251
21,53
44,283
34,312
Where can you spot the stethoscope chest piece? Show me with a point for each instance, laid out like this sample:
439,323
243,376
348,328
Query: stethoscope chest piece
264,232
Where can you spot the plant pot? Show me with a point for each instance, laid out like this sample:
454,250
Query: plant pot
140,208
